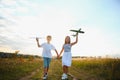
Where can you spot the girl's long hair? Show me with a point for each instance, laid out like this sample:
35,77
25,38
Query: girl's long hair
69,40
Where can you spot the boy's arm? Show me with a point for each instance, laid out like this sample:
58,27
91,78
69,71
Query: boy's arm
38,42
75,41
56,52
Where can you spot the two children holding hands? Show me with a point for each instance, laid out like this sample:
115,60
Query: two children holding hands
47,55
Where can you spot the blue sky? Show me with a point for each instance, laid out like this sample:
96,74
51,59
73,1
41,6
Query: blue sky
21,19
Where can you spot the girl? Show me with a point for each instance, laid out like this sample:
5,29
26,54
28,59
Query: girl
67,56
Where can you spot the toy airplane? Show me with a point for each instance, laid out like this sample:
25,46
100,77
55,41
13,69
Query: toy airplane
77,31
36,37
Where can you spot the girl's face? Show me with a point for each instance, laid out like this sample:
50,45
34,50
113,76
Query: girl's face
67,39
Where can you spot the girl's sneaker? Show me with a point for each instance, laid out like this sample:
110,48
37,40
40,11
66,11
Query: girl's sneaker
64,76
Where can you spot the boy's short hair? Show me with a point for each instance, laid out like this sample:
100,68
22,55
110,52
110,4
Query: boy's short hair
49,36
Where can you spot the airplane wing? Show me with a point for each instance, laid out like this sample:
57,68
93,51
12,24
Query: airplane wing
78,31
74,30
81,32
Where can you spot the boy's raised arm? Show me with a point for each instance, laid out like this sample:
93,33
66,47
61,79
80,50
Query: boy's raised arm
38,42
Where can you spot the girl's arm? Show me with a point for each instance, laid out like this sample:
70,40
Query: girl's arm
75,41
38,42
61,51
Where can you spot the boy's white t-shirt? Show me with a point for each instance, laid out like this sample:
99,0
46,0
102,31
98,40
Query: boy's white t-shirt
47,50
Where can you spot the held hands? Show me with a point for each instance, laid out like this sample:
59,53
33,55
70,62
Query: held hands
58,56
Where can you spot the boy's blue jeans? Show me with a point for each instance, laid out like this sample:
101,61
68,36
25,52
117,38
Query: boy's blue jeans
46,62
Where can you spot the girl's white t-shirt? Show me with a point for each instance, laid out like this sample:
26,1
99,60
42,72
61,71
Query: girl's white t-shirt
47,50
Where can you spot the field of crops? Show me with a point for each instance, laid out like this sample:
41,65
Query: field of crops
99,69
83,69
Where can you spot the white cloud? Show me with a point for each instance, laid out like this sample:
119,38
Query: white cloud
49,21
8,2
56,21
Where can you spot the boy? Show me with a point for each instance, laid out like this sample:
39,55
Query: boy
46,54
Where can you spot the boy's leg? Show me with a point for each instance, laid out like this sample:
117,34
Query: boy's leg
48,63
45,65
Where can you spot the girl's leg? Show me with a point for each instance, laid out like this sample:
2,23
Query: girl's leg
65,69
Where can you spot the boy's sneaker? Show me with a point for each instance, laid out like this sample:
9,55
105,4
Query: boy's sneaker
64,76
45,76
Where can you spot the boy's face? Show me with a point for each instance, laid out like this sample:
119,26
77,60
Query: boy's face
48,38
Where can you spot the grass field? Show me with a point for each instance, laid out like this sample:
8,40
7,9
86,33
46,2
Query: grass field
99,69
83,69
14,69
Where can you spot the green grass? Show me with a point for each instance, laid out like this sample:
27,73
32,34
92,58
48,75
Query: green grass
14,69
84,69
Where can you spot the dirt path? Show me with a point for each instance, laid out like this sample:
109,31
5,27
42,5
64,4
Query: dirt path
28,77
